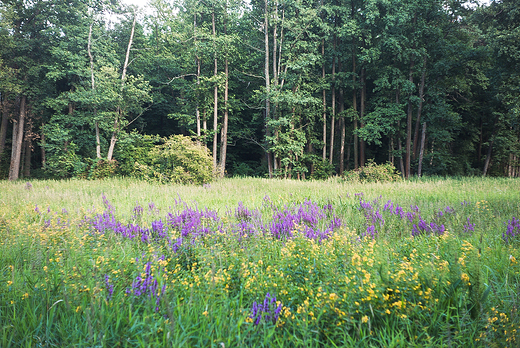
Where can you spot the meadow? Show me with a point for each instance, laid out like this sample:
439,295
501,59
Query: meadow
254,262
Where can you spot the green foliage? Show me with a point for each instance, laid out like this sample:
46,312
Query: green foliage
102,169
373,172
178,160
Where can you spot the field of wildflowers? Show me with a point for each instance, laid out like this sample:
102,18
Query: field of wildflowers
252,262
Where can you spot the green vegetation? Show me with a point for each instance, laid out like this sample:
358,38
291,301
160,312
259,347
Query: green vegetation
275,88
257,262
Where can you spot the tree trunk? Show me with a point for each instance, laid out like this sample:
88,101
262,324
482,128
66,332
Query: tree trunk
342,126
118,117
223,137
419,109
333,102
4,124
267,85
362,144
18,134
421,153
324,102
409,126
93,87
354,102
27,158
215,93
488,159
44,160
197,59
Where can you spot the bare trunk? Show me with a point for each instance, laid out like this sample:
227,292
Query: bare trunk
354,104
409,126
4,124
27,158
18,135
93,87
118,116
215,93
223,138
421,152
333,102
267,86
362,144
44,159
324,102
488,159
197,111
419,109
342,125
409,115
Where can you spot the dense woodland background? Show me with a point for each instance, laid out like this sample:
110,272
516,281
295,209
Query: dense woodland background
288,88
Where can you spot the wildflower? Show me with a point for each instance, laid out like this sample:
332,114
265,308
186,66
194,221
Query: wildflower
364,319
269,310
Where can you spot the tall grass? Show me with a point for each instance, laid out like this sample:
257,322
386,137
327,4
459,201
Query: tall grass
127,263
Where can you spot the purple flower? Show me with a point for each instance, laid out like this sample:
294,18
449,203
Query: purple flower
109,287
269,311
468,226
512,231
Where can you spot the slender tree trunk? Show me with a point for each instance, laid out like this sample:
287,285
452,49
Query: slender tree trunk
276,71
117,122
421,152
362,144
409,126
215,93
341,102
409,114
93,87
333,102
419,109
480,140
197,59
348,157
4,124
44,159
324,102
488,159
223,137
18,134
267,85
354,103
27,158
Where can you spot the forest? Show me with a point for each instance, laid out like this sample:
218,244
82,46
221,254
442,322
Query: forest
275,88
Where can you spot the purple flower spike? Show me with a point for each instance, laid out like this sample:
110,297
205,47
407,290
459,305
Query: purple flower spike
268,310
512,231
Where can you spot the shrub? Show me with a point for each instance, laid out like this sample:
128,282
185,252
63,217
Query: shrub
373,172
103,169
178,160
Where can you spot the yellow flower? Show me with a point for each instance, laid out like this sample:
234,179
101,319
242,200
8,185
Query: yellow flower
512,259
333,297
205,313
364,319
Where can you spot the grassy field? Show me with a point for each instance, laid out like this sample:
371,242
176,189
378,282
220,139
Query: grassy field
256,262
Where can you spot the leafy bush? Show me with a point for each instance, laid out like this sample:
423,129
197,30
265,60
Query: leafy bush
103,169
373,172
133,148
178,160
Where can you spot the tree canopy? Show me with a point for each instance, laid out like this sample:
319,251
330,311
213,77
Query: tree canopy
274,88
